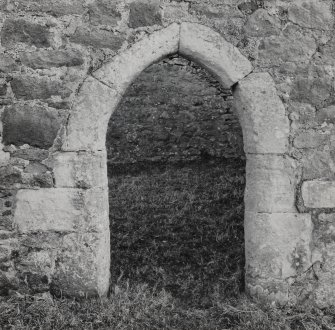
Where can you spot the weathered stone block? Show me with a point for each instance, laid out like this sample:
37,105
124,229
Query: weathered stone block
33,124
3,88
7,64
262,115
317,164
261,24
83,265
326,115
311,139
33,87
318,194
10,175
97,38
277,245
15,31
313,14
31,154
209,49
144,13
55,7
270,184
314,85
291,46
302,115
104,12
62,210
51,58
79,169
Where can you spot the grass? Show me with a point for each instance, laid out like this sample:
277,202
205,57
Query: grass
180,229
177,255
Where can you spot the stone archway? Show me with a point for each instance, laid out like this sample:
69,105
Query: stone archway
78,204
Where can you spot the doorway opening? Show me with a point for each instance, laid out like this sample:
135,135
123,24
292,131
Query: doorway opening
176,171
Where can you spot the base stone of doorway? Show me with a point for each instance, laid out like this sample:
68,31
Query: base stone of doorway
77,263
278,248
82,265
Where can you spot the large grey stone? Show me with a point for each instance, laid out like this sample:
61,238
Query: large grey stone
104,12
62,210
313,85
262,115
311,139
79,169
209,49
293,45
144,13
313,14
270,184
28,87
52,58
55,7
261,24
31,124
318,194
97,38
7,64
15,31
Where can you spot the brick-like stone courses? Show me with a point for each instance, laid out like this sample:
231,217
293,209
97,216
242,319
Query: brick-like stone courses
49,48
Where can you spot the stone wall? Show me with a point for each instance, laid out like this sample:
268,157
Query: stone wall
49,48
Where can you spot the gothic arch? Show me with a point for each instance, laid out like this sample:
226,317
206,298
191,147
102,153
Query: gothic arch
273,227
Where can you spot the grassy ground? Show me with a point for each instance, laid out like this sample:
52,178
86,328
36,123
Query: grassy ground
177,255
180,229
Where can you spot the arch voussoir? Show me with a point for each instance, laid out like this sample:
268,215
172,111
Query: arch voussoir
262,115
208,48
125,67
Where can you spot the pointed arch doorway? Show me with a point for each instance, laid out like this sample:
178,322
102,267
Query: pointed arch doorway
273,227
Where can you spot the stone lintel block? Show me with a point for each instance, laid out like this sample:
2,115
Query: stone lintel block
83,267
124,68
209,49
88,121
262,115
277,245
270,184
62,210
79,169
318,194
